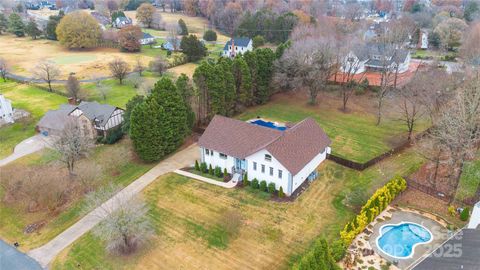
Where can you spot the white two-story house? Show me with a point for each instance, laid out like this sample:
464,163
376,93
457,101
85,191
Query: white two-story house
284,157
238,45
6,110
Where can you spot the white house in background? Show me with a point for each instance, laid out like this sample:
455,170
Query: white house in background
423,40
475,217
6,110
147,39
286,158
376,57
121,22
238,45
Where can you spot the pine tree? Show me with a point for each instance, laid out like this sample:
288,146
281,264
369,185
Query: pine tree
158,126
131,104
197,167
193,48
251,60
183,28
216,91
3,23
200,77
185,89
265,58
229,85
16,25
243,82
32,29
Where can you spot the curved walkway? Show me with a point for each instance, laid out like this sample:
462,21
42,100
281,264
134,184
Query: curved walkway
26,147
46,253
230,184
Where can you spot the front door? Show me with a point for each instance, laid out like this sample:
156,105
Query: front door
240,165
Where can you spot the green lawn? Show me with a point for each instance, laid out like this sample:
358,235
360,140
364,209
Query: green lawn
118,95
13,219
469,180
354,135
187,216
32,99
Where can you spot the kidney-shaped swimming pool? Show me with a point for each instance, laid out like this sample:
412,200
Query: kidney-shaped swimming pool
399,240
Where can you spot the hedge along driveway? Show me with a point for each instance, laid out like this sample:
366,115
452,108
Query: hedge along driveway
354,135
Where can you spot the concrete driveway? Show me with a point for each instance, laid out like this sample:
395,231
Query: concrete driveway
26,147
11,258
46,253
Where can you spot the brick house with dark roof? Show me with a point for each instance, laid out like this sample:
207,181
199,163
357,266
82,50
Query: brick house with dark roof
284,157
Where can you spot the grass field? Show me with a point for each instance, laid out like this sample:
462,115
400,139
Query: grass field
13,219
35,101
354,135
191,232
470,179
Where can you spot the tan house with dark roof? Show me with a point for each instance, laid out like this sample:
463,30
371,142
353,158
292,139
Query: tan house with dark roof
284,157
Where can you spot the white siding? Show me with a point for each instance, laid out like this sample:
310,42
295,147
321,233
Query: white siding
215,160
6,111
115,120
355,65
259,158
301,176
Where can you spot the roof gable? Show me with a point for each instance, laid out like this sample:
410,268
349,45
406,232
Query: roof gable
94,111
238,41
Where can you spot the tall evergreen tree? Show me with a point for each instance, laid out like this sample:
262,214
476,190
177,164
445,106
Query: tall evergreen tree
200,78
183,30
3,23
158,126
16,25
243,82
185,89
251,60
216,91
32,29
51,30
229,85
265,58
193,48
131,104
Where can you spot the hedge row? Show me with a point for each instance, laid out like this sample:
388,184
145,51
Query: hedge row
374,206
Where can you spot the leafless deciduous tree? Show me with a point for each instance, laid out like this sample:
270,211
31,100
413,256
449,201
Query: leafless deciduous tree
158,65
470,49
411,107
126,224
72,144
139,67
350,66
3,69
172,36
458,128
135,80
102,88
46,71
310,61
73,86
119,69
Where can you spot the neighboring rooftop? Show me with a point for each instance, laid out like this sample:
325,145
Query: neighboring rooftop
293,148
238,41
461,252
146,35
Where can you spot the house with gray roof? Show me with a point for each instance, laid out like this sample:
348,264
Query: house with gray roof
285,156
237,45
376,57
96,119
121,22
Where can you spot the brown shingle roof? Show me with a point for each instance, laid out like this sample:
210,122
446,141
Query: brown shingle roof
293,148
236,138
299,145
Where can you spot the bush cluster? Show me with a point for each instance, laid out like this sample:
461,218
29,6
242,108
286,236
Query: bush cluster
374,206
210,35
318,256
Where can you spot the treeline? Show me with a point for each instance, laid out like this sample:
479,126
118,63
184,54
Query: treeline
228,86
273,27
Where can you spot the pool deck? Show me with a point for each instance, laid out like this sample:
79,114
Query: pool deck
438,231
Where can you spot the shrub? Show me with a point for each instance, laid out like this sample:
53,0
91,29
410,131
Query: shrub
263,185
281,194
218,171
451,210
210,169
255,183
203,167
225,173
210,35
319,256
271,188
258,41
197,167
114,136
245,179
465,214
176,59
338,250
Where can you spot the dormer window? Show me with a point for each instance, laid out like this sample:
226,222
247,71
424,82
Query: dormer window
268,157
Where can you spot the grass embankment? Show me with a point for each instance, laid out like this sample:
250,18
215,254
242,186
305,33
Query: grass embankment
14,218
355,135
188,216
29,98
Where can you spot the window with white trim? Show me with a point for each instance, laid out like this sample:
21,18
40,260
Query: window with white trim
207,152
254,166
263,168
271,171
222,155
280,174
268,157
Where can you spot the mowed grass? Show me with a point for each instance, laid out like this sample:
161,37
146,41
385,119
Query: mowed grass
187,217
31,99
470,179
14,219
355,135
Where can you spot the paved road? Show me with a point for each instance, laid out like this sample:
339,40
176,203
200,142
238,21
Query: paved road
26,147
26,79
11,258
46,253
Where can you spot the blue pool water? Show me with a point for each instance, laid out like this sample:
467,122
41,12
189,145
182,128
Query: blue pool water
268,124
399,240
